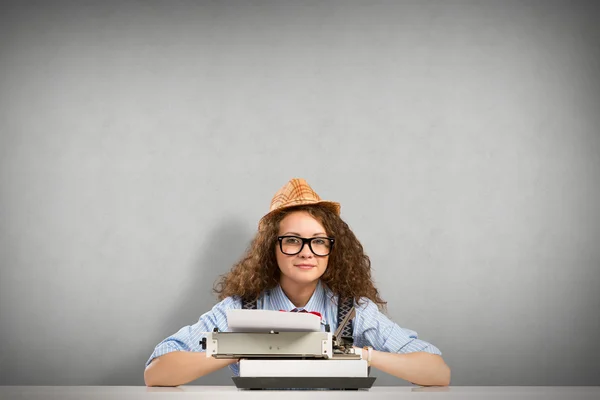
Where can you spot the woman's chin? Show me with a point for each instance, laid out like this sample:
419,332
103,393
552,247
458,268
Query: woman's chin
303,276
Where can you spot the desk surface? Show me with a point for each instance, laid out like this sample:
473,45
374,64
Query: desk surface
230,392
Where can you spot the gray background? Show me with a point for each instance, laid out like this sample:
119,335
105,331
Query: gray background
140,142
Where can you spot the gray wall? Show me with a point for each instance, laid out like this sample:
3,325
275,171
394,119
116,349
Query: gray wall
140,142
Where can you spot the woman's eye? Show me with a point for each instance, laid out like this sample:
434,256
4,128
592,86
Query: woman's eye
319,241
292,241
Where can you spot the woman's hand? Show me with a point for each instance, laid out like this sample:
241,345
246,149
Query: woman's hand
420,368
181,367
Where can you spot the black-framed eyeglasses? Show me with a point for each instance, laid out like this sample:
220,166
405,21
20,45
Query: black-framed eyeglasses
292,245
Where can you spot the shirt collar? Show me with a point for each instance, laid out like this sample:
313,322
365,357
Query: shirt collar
316,302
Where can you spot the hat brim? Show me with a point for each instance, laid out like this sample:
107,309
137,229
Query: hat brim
331,205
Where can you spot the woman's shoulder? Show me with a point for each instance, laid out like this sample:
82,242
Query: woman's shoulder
237,302
228,303
366,305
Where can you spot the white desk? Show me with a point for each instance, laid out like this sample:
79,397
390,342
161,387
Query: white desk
231,393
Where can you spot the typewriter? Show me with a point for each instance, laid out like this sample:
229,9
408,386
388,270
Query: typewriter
288,351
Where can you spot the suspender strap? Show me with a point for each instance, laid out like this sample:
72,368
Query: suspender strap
249,304
345,307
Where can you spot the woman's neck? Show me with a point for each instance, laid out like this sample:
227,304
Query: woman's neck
299,294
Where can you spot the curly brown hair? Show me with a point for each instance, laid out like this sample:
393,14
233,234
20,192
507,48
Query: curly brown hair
348,272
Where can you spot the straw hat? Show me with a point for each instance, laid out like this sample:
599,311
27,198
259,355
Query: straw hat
296,193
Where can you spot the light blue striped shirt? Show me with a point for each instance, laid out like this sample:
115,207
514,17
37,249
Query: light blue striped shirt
371,327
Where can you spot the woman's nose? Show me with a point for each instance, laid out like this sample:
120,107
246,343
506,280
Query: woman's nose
306,252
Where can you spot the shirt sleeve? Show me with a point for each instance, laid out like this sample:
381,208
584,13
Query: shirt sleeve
188,338
373,328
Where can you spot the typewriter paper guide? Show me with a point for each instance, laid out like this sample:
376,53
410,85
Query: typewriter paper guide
268,320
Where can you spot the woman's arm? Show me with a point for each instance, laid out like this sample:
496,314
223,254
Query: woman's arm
420,368
180,359
399,351
180,367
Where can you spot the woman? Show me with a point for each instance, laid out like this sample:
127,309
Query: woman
303,258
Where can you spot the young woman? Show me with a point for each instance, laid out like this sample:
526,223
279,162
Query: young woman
304,257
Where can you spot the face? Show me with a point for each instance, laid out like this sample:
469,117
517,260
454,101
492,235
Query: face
304,267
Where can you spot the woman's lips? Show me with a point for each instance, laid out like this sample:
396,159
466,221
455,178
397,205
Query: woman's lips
305,266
